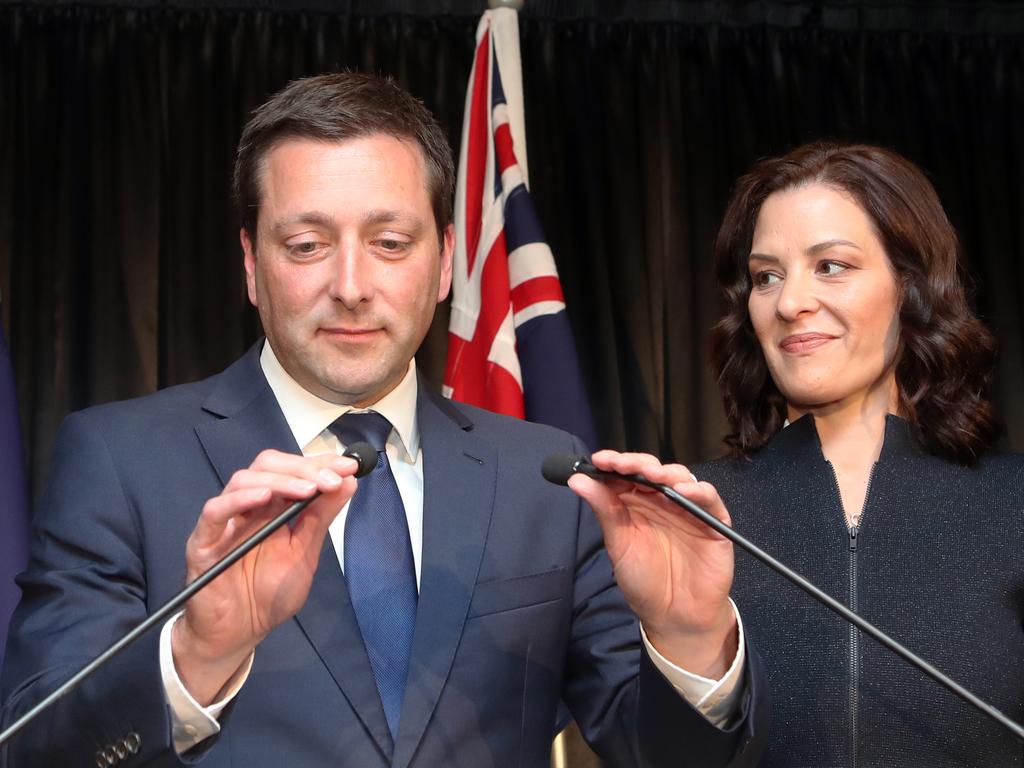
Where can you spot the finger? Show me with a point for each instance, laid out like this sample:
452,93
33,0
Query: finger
307,468
623,463
596,493
255,491
668,474
272,475
220,510
321,473
643,464
312,526
290,486
607,505
704,495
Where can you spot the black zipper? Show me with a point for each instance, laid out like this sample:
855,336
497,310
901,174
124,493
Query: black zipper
854,655
854,648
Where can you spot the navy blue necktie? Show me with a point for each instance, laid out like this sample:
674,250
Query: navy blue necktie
378,564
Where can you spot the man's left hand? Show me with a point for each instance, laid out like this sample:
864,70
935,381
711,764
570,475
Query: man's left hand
674,571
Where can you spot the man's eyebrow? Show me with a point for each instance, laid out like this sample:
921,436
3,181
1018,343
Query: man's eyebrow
314,218
393,217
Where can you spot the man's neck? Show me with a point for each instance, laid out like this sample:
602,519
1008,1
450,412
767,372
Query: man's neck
308,415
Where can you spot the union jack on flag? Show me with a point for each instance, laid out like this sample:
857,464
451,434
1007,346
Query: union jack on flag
510,347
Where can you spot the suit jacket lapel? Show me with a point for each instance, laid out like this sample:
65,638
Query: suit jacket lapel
250,421
459,477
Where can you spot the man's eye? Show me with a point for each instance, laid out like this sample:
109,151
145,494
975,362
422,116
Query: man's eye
305,248
391,245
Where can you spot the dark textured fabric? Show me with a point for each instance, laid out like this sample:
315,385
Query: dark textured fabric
379,568
938,567
119,257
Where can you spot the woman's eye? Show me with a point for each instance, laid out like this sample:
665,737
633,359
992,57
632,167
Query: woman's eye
764,278
831,268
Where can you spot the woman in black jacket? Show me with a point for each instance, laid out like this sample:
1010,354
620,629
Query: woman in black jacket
854,376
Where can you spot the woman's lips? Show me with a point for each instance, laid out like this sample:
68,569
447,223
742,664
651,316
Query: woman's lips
804,342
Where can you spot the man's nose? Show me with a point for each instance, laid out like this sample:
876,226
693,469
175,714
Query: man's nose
352,283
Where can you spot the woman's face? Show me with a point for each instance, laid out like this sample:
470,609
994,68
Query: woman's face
824,301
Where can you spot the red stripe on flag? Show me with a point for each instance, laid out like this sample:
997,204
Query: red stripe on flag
504,148
503,392
475,379
489,386
476,150
536,289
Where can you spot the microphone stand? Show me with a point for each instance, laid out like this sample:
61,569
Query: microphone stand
364,453
583,466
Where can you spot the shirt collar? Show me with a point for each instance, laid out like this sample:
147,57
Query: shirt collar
308,415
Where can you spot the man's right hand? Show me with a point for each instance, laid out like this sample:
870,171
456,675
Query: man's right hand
224,622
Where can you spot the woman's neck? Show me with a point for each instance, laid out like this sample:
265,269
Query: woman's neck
851,435
856,424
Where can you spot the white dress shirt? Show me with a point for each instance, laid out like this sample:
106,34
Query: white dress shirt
309,417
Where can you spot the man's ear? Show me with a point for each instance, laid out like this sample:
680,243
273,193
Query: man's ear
447,256
249,260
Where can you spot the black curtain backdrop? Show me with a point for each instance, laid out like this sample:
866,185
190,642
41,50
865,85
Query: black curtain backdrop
120,268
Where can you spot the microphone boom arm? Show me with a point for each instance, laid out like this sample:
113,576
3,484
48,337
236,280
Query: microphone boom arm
555,473
361,452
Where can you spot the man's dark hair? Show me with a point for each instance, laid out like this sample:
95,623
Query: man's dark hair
337,107
945,356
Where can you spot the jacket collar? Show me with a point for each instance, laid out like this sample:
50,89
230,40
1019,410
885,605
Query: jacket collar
800,442
249,418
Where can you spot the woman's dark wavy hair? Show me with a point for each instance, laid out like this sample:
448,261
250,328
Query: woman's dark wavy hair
945,356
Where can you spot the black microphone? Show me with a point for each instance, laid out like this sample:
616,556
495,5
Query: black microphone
559,467
365,456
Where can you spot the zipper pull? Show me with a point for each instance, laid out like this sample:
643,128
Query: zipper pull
853,538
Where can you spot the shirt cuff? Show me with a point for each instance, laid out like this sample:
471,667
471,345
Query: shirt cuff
717,700
191,723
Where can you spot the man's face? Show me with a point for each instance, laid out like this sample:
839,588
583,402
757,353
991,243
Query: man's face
346,270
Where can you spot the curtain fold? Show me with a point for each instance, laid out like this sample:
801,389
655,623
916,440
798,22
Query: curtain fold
120,268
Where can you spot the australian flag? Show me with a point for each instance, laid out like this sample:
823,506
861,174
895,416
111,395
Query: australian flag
510,347
14,511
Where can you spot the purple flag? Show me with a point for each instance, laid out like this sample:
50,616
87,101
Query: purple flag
14,511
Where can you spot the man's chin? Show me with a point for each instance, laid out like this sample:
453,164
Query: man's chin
356,392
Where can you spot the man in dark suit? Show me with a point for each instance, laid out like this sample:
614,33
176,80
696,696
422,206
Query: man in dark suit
445,636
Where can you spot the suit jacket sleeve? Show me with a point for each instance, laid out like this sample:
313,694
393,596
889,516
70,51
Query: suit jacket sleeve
85,586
